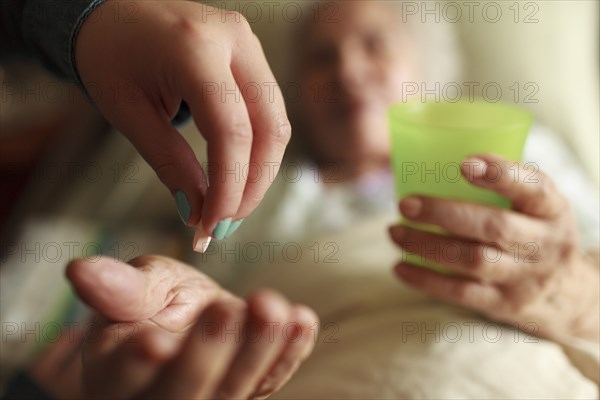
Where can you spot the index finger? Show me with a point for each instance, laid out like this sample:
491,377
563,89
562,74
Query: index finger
272,130
221,116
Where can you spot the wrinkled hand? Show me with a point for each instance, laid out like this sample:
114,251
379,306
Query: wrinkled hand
164,330
521,266
140,59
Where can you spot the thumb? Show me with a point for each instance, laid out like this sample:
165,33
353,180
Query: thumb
151,287
151,131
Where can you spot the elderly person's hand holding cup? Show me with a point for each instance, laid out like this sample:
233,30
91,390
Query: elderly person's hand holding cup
522,264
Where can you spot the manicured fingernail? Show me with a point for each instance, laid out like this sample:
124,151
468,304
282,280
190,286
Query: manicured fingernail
474,168
411,206
221,228
183,206
234,227
201,241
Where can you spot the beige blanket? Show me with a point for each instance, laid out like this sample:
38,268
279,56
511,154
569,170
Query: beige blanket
380,339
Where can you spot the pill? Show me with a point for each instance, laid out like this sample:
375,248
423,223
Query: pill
201,240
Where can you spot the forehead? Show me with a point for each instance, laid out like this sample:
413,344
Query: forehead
338,19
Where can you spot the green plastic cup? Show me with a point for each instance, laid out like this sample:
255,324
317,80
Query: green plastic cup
430,140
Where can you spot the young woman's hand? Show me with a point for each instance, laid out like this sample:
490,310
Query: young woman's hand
139,60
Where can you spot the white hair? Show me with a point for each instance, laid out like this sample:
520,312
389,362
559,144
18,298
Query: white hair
438,52
437,47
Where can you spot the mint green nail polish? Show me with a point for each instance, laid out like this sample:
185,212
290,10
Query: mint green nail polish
234,227
221,228
183,206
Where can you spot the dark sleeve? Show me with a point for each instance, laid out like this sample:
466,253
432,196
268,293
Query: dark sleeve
22,387
45,29
11,40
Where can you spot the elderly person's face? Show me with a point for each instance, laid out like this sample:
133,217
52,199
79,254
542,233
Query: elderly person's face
351,71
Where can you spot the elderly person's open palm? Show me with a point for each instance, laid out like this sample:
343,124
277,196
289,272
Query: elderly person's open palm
164,330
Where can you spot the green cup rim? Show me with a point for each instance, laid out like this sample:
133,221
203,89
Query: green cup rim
401,111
